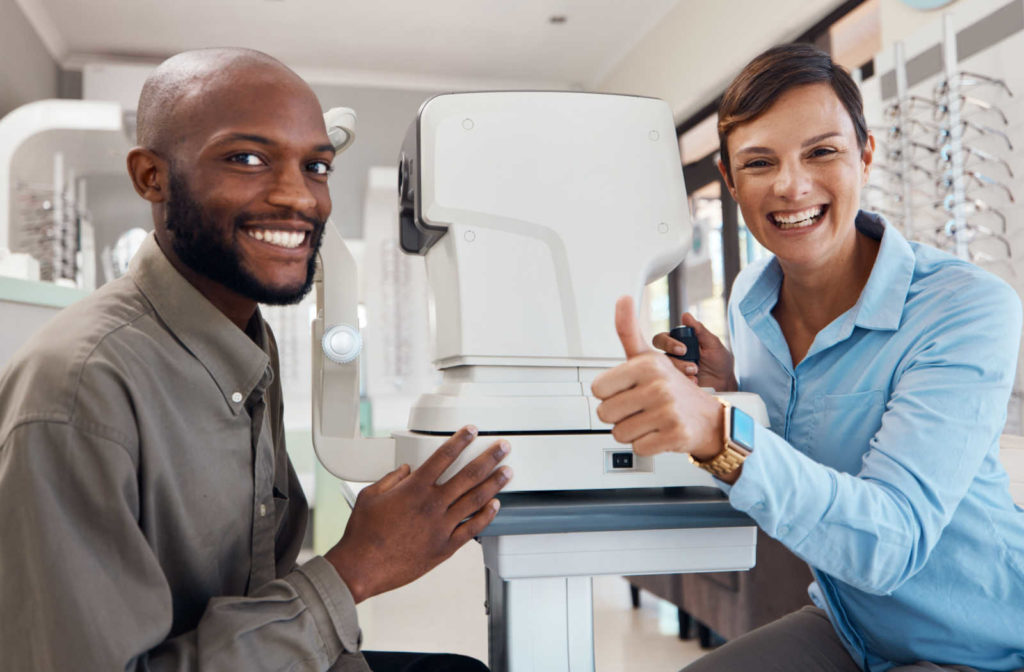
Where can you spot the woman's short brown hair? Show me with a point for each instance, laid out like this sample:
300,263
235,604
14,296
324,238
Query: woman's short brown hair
773,73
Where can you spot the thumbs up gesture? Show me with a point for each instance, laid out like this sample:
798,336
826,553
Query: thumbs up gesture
652,404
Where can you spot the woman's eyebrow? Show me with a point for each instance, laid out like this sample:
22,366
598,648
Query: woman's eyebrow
805,143
819,138
754,150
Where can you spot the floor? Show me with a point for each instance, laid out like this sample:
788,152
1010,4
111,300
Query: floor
444,611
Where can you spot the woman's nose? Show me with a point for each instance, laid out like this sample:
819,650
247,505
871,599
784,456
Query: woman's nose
792,181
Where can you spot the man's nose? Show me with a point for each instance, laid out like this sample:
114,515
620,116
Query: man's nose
291,191
792,181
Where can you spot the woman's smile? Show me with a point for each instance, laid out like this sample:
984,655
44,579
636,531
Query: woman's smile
797,219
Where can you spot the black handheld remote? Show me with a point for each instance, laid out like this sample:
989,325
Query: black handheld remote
688,337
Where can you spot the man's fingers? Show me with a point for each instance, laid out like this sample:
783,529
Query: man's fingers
475,472
474,526
474,500
445,455
628,328
391,479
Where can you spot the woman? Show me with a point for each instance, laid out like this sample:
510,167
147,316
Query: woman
886,367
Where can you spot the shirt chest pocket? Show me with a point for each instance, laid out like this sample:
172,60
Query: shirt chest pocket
846,423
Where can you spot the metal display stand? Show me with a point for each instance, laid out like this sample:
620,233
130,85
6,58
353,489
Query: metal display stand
543,548
951,100
928,172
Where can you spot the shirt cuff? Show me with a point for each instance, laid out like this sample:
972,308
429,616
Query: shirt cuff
331,604
785,491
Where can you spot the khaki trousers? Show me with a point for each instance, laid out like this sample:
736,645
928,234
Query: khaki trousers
803,641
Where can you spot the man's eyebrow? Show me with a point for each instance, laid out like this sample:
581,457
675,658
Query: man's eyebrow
258,139
261,140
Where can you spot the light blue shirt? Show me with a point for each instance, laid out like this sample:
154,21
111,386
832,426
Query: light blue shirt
881,469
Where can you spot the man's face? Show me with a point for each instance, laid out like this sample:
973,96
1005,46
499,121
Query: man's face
200,243
248,187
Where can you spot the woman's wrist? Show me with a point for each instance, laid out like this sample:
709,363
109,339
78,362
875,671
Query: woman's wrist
715,436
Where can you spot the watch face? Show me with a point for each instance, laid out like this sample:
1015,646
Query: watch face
741,429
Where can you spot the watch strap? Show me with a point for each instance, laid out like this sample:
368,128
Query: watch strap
729,458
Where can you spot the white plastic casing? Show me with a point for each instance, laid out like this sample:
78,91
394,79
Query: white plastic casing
552,206
556,204
539,210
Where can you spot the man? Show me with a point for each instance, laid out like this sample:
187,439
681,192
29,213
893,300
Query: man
152,518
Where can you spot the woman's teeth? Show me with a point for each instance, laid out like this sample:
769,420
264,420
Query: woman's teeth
799,219
286,239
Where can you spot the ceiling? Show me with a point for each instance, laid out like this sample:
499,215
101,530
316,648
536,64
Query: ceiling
406,43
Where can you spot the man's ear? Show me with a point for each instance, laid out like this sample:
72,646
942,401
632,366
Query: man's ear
149,174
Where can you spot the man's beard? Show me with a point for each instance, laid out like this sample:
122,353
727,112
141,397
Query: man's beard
200,245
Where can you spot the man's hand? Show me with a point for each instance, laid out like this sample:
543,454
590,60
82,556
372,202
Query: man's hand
652,404
716,362
406,523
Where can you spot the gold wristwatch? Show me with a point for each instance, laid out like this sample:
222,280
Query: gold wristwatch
737,443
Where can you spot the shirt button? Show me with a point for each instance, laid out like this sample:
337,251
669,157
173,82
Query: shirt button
263,510
783,530
759,506
236,397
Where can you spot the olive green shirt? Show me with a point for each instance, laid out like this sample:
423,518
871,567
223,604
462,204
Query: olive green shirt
151,517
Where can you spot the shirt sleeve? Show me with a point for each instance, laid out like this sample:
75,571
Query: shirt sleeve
82,588
875,529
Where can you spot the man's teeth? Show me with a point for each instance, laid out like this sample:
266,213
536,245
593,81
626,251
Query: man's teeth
288,239
797,220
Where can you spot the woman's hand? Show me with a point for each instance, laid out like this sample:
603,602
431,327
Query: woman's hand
651,404
716,362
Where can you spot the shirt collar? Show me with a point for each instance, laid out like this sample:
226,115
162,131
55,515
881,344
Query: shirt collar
237,364
884,296
881,302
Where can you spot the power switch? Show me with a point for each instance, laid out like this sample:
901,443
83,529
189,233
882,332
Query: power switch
622,460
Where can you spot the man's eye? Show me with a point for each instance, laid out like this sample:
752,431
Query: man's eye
247,159
320,168
756,163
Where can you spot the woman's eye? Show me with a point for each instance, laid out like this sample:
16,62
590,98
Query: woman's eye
247,159
320,168
818,152
756,163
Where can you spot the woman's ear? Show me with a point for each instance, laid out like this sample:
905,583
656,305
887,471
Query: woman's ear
149,174
867,155
728,179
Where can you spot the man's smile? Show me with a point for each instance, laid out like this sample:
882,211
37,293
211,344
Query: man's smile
287,239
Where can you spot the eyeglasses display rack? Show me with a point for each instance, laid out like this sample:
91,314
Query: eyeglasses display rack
937,181
944,106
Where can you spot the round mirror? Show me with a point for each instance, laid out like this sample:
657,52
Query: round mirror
125,248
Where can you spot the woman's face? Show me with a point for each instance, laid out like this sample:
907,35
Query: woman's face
797,173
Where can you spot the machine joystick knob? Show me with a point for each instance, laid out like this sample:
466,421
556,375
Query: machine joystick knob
688,337
341,344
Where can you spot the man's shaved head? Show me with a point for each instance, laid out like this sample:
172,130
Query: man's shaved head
182,80
234,157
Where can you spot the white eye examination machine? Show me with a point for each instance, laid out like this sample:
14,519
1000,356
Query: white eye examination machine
534,212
